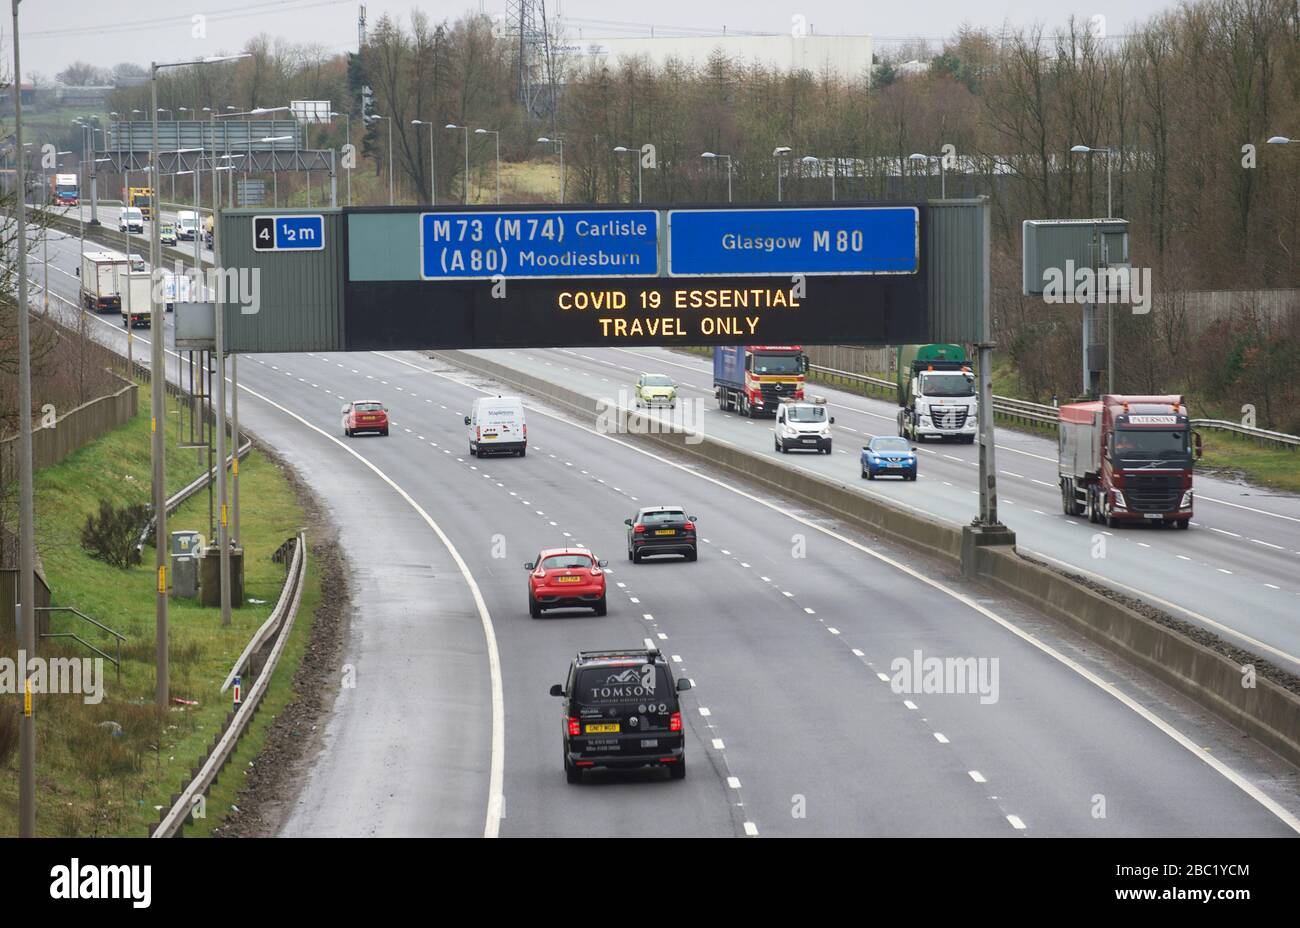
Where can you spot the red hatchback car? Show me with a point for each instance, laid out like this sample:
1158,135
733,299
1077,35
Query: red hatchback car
365,416
564,578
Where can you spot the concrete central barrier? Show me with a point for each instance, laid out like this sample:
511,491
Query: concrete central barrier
1267,711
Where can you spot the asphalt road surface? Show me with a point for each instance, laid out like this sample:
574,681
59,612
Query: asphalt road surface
786,625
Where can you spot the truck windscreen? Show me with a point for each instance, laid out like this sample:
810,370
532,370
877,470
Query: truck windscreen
947,384
770,364
1135,445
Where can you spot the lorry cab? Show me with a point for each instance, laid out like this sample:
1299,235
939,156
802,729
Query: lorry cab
497,426
1128,459
803,425
754,379
937,393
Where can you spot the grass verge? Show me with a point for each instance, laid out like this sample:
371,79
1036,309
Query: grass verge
1231,455
106,769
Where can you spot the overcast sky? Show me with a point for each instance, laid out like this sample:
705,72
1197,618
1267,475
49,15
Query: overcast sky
105,32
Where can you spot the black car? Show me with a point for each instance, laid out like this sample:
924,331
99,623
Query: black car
621,710
661,530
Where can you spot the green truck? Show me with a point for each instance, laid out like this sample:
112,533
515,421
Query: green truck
936,393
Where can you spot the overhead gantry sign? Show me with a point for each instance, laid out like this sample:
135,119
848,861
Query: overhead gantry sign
361,279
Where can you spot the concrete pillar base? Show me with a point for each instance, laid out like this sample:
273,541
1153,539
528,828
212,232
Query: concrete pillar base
974,537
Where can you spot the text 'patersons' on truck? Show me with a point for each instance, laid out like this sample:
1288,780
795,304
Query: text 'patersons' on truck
753,379
63,189
1127,459
936,389
98,272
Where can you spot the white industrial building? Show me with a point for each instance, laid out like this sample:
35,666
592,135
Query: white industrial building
847,57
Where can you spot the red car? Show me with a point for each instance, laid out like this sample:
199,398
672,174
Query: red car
365,416
565,578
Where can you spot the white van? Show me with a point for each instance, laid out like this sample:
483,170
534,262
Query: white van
130,220
187,225
496,425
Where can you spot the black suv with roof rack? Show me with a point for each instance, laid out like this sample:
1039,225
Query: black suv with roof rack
621,710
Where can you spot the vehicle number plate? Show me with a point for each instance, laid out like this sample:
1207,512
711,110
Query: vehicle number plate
567,579
1152,515
603,728
649,742
895,464
666,531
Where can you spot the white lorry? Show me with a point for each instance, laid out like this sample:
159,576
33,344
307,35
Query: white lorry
939,401
135,288
98,272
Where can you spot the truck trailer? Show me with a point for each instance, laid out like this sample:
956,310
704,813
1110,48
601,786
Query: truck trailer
1126,459
754,379
936,390
135,288
98,273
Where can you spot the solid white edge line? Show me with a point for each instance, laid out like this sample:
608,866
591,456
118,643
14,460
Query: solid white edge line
1241,636
1290,820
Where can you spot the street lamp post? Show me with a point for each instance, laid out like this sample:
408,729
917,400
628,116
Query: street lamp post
374,116
777,154
1084,149
433,195
348,131
157,378
45,233
943,176
26,612
498,135
709,154
811,160
81,217
623,149
464,196
559,145
1110,307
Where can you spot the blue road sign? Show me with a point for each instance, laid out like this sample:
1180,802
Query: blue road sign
772,242
600,243
289,233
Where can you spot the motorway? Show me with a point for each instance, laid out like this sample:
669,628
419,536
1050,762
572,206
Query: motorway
1236,572
786,625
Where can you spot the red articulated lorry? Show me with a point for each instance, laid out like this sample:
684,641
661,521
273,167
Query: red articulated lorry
1125,459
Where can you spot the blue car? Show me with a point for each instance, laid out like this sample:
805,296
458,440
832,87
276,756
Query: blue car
888,454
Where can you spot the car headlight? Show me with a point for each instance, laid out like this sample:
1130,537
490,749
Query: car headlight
789,430
826,431
1119,499
1187,500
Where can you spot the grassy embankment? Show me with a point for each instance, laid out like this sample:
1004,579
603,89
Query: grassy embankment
91,780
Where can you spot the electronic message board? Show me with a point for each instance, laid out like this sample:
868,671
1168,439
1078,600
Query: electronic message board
546,276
